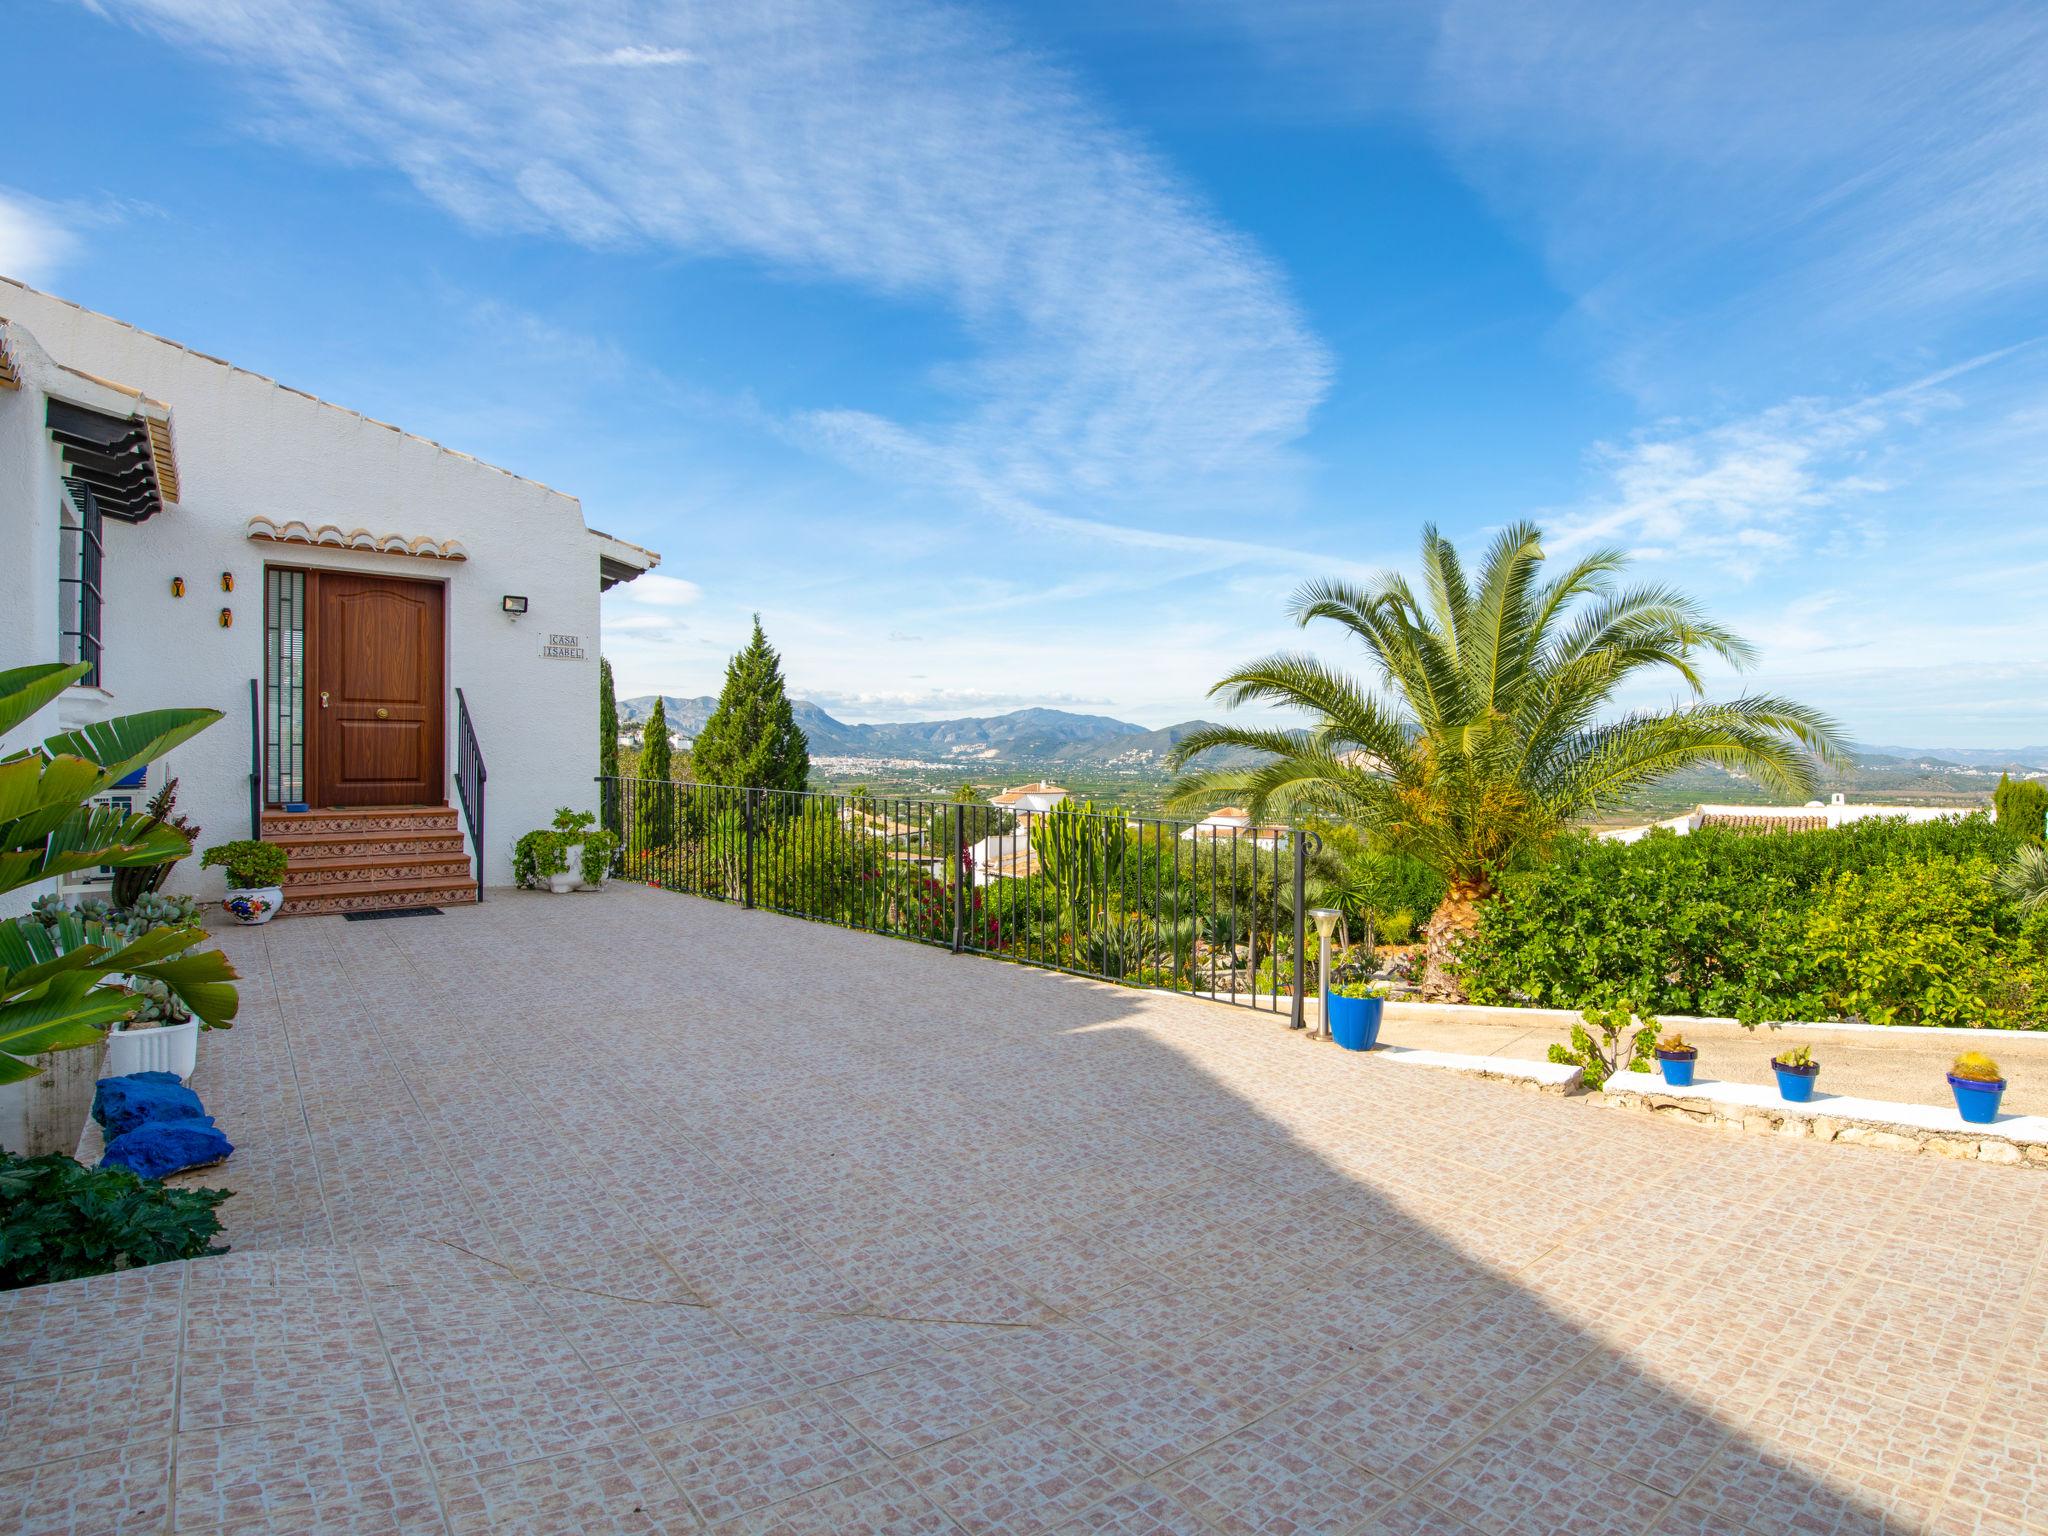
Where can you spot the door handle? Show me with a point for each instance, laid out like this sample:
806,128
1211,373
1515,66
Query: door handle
323,698
383,714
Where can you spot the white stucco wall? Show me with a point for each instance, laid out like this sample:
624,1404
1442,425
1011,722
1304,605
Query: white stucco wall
246,445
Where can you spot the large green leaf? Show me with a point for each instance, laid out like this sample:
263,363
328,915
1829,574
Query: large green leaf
69,1005
37,794
204,982
121,745
24,690
88,837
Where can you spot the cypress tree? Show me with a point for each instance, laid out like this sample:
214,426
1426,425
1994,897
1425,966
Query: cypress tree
657,810
2021,806
608,745
752,738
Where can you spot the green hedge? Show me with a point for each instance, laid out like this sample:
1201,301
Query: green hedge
1882,921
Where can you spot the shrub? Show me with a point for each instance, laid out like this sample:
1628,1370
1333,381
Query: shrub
1896,922
1604,1045
249,863
60,1220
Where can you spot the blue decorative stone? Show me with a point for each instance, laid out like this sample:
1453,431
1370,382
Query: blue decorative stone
164,1147
120,1104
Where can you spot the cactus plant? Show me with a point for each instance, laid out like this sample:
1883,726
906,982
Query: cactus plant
1976,1067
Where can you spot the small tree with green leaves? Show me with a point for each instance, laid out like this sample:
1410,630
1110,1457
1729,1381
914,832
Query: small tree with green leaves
2021,807
607,747
752,739
657,797
1617,1039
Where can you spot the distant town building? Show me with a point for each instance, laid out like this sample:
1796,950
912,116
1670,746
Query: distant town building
1814,816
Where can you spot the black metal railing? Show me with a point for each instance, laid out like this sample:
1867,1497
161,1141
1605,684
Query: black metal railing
470,775
1212,908
255,758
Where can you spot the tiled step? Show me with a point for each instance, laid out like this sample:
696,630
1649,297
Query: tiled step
371,858
313,847
379,896
355,868
278,825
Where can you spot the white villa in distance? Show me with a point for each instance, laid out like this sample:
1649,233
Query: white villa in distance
1814,816
370,611
1233,824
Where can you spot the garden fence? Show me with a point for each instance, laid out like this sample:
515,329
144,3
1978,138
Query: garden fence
1212,909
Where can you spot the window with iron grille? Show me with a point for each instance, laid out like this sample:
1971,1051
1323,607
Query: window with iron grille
81,558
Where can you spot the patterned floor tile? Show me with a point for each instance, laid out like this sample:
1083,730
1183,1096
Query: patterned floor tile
276,1471
610,1491
1268,1481
103,1493
1021,1476
874,1503
741,1461
1517,1484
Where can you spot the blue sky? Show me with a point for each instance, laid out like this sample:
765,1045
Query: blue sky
1013,354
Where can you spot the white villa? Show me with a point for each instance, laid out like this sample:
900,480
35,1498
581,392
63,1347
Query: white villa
370,611
1814,816
1232,824
1030,799
1009,855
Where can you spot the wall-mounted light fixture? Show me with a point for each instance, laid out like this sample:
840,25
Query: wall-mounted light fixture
227,581
177,586
227,618
512,605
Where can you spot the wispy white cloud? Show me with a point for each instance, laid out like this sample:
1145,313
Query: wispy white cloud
642,56
1128,340
665,591
35,237
1748,493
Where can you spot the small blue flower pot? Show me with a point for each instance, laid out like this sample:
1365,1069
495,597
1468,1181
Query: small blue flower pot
1355,1021
1677,1070
1795,1086
1976,1102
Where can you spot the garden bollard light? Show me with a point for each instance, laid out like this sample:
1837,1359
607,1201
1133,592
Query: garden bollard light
1326,923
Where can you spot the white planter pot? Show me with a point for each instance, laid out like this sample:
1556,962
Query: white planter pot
164,1048
253,905
563,883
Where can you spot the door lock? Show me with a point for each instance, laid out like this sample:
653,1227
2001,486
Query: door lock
323,698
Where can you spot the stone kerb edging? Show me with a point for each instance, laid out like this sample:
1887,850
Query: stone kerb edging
1882,1123
1501,1013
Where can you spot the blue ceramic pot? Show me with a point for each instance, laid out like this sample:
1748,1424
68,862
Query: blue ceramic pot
1678,1069
1355,1021
1976,1102
1795,1084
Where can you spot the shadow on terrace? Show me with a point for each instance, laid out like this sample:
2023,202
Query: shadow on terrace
636,1212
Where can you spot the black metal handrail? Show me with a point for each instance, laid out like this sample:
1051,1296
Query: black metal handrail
1210,908
470,775
255,759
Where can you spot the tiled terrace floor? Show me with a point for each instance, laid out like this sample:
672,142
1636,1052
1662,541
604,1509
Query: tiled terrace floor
635,1213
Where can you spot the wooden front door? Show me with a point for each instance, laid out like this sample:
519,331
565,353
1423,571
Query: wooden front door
373,701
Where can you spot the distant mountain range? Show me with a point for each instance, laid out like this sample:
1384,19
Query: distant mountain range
1021,736
1055,736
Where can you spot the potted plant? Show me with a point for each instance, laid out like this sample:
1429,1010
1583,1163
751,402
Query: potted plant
541,858
161,1035
1796,1071
255,871
1978,1085
598,847
1356,1008
1676,1057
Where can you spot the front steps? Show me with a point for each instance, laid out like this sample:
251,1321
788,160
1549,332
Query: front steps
371,860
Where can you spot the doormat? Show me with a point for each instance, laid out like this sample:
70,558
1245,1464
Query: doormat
371,917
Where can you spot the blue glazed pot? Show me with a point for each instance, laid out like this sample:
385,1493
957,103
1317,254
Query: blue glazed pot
1355,1021
1795,1086
1976,1102
1678,1069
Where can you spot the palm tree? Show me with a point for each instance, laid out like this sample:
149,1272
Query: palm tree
2025,879
1493,725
